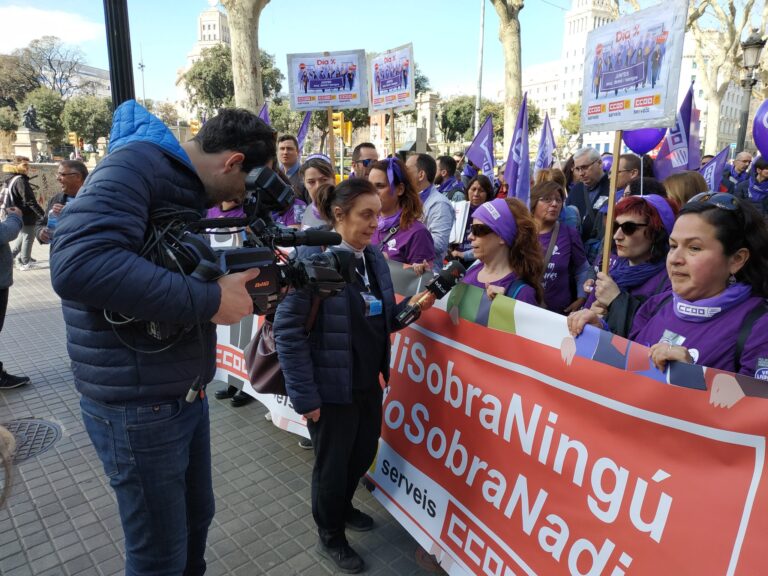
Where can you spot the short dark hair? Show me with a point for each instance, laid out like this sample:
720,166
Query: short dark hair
447,163
290,137
649,186
761,163
238,130
359,147
426,163
632,161
77,166
485,183
344,196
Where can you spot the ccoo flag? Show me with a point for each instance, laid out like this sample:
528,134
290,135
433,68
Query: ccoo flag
546,147
480,152
518,170
303,130
713,170
264,114
680,147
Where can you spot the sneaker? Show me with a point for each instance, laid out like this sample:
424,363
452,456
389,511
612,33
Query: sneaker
32,260
347,560
358,521
25,267
9,381
305,443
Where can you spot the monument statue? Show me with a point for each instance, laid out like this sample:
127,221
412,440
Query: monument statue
30,118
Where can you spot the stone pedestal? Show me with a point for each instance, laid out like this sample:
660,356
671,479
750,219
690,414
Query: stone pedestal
30,143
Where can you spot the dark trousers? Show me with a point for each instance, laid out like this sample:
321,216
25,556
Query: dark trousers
345,439
3,305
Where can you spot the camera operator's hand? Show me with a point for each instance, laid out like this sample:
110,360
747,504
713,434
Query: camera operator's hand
235,302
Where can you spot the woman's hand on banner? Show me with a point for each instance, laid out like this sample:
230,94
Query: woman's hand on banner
577,320
663,353
606,290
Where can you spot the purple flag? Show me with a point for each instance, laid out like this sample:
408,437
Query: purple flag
713,170
680,147
546,147
303,130
518,170
480,152
264,114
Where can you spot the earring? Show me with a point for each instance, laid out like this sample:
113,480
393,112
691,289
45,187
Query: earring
731,280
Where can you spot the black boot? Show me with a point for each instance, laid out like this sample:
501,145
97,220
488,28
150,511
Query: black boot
225,393
240,399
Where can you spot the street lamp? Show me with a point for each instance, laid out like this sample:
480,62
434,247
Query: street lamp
751,49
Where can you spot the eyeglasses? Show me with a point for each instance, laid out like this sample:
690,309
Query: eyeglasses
580,169
720,199
628,228
367,162
551,200
480,230
66,173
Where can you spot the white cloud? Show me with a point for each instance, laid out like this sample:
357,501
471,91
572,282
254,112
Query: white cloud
22,24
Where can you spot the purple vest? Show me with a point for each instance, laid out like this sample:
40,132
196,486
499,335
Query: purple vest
526,293
710,343
411,246
567,257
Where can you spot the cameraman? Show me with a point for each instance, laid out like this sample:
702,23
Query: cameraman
155,446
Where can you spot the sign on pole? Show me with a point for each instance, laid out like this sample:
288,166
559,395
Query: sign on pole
323,80
631,70
393,77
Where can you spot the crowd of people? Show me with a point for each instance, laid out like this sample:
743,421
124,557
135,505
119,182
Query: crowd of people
688,271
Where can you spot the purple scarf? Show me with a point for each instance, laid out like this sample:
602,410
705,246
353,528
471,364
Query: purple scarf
424,194
387,222
738,177
627,276
316,212
708,308
757,190
448,184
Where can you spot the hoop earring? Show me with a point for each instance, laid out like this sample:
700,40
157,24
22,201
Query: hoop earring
731,280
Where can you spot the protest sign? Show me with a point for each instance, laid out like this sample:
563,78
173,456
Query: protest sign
631,70
392,79
323,80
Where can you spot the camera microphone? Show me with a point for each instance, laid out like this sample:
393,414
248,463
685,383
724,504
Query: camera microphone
439,286
291,237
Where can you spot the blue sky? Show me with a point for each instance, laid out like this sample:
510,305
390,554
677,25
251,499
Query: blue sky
445,34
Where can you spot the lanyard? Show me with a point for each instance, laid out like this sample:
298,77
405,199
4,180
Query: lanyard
364,276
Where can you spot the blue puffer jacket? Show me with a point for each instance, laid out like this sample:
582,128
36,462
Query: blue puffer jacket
96,266
318,367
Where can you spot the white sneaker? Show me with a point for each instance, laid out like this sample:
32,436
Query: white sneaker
25,267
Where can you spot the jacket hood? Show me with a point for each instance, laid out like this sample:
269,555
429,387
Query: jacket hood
132,122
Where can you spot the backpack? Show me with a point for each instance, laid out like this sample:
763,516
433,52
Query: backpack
6,197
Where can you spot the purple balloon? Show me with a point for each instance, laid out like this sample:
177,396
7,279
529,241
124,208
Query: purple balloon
607,163
643,140
760,129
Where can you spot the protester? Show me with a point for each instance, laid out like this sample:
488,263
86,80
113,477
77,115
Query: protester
336,365
153,444
480,191
645,186
589,195
292,215
70,175
22,196
400,235
755,188
735,174
570,177
9,230
505,241
316,172
288,156
629,170
569,214
363,155
637,273
438,215
446,181
705,159
468,171
565,265
682,186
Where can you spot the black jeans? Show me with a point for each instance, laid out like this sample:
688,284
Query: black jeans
345,440
3,305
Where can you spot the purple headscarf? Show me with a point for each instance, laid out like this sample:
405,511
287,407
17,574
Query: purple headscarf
664,210
499,218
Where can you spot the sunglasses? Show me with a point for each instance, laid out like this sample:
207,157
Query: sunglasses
367,162
720,199
627,228
480,230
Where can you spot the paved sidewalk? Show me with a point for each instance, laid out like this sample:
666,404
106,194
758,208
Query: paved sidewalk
62,516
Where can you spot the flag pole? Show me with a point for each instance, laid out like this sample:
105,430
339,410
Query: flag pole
331,139
611,202
392,131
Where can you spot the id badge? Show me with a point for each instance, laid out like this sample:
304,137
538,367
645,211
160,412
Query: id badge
373,305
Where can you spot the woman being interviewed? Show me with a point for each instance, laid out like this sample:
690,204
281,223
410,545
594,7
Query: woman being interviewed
316,172
479,191
400,235
332,372
505,241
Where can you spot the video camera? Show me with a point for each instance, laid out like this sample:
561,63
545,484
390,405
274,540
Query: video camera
174,242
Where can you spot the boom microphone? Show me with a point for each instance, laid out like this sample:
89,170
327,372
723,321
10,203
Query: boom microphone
440,285
291,237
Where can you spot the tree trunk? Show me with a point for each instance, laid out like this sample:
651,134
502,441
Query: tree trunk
509,36
243,18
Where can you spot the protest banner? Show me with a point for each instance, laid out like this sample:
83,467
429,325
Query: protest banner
392,79
712,171
323,80
680,147
517,172
480,150
631,70
509,448
545,155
